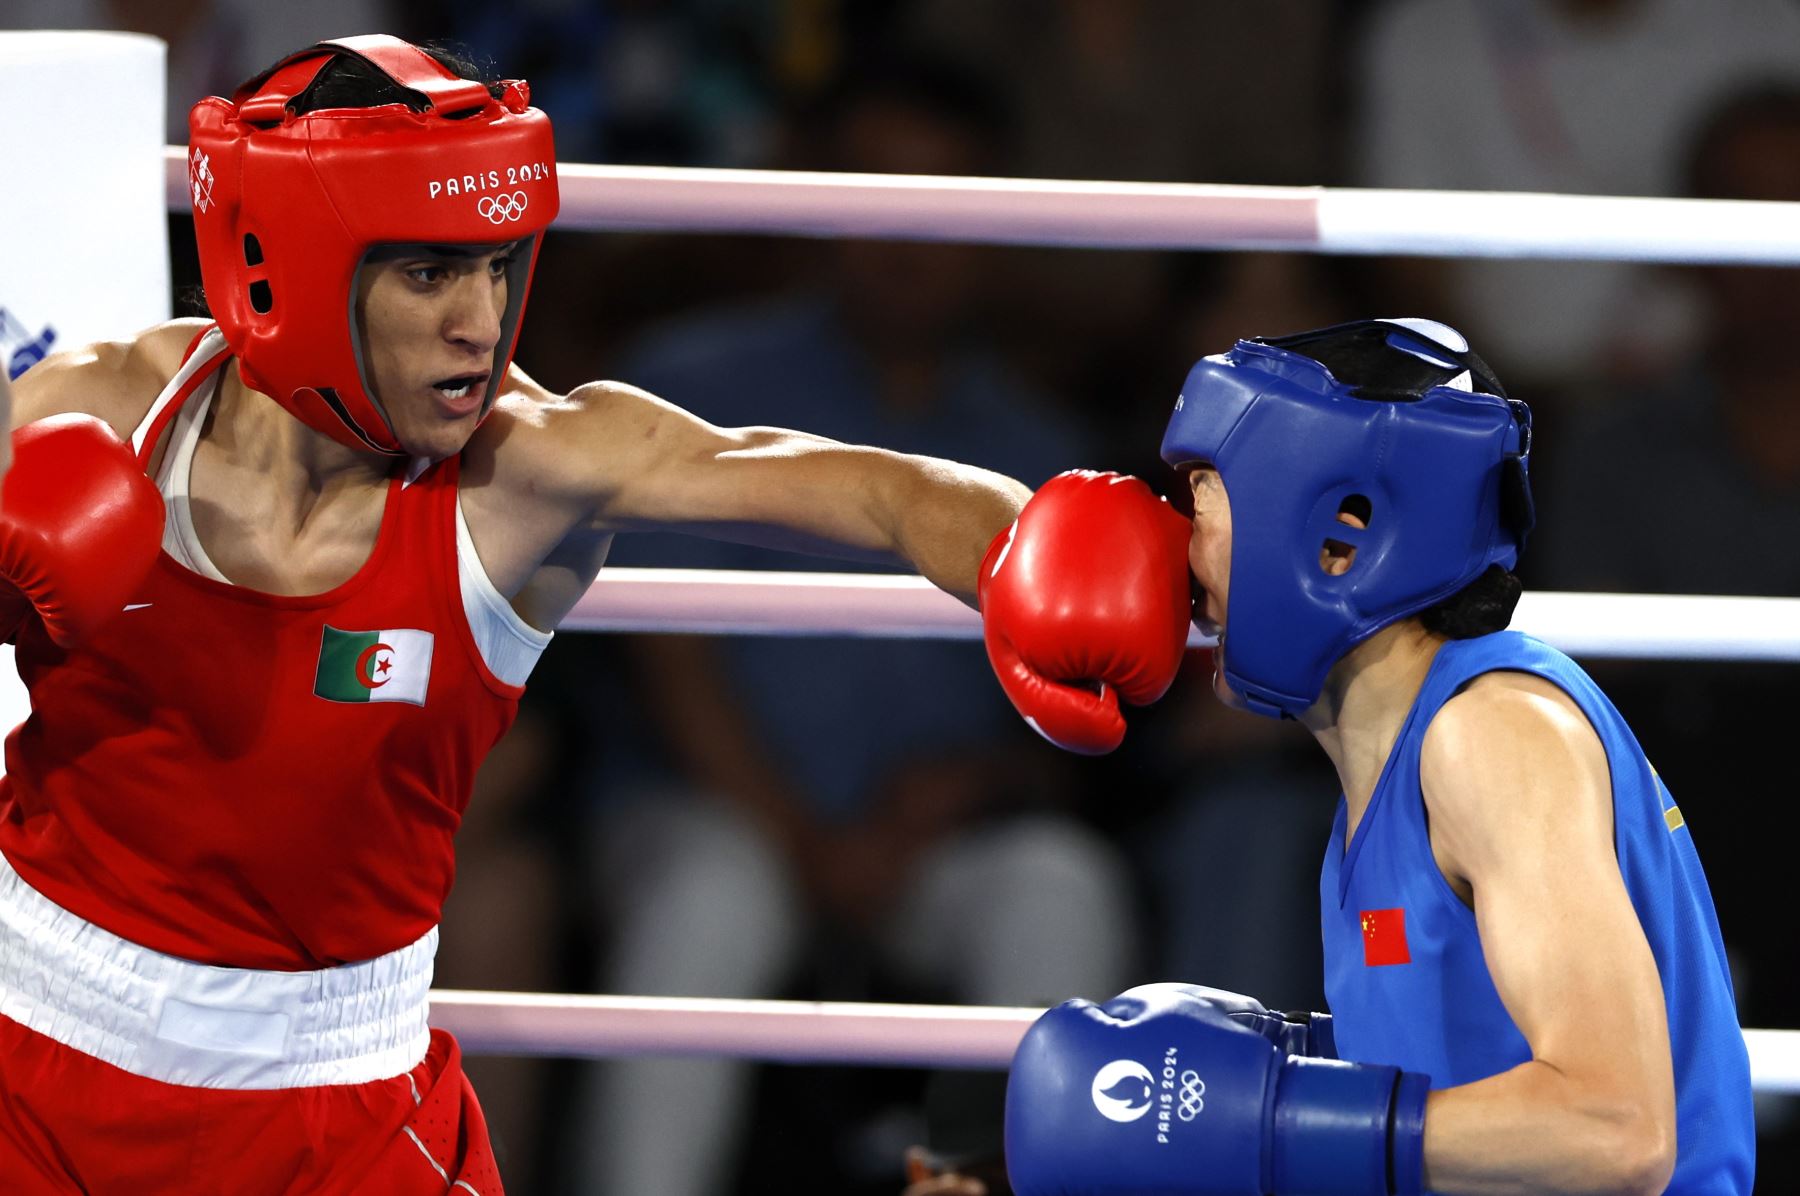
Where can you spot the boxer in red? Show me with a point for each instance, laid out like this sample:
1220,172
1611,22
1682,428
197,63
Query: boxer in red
276,583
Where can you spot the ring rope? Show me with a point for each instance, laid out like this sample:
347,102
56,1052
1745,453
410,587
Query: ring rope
749,602
606,1027
1107,215
972,1036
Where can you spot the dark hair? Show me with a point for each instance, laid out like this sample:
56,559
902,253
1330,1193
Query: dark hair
1769,103
1482,607
349,82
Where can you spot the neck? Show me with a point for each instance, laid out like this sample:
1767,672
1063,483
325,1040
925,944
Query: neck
1366,699
256,434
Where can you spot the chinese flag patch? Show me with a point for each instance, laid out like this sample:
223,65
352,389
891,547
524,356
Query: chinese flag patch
1384,937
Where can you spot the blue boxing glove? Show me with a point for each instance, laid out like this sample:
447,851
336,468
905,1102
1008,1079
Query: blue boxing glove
1308,1034
1161,1092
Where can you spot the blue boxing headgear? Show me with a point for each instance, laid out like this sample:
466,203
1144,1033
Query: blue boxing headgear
1395,418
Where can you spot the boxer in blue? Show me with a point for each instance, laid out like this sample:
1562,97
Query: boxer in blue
1527,984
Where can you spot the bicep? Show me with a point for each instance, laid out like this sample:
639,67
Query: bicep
1531,832
1571,964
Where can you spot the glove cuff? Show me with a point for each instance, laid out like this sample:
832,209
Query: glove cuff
991,561
1406,1137
1332,1122
1315,1038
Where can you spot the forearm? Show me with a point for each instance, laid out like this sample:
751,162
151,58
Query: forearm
941,517
789,490
1536,1129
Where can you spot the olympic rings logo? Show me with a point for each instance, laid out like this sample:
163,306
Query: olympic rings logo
498,209
1193,1089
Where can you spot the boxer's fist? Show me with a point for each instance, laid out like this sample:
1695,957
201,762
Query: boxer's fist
1160,1091
1084,598
80,526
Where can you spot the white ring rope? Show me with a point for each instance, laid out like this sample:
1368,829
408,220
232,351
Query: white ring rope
1103,215
974,1036
499,1023
747,602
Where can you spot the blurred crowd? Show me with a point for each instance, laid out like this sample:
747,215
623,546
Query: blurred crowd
867,819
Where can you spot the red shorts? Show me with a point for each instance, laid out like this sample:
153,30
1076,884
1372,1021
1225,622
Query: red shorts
70,1123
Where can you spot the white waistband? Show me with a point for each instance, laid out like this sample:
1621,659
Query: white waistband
180,1022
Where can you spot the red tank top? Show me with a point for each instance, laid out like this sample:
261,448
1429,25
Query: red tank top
254,780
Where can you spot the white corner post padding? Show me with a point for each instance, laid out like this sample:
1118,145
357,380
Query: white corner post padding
82,224
86,237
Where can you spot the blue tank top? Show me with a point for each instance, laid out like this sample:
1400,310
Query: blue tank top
1404,974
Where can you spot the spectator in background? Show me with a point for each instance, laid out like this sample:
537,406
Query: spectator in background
964,1151
661,82
880,790
1691,485
1573,96
1169,91
1208,300
1726,420
1176,91
502,929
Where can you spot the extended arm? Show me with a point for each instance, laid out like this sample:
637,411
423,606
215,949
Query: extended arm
661,467
1528,835
1086,597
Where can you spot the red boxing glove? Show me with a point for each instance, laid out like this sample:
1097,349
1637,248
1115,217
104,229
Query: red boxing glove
80,526
1089,586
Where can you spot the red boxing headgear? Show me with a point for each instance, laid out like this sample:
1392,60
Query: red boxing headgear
287,207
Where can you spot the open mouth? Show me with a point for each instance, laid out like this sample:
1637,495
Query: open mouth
459,386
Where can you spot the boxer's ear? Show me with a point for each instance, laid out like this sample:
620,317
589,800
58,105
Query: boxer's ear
1335,556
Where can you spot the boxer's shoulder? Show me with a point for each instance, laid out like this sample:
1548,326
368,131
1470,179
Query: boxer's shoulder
1508,755
113,380
1500,711
528,483
573,441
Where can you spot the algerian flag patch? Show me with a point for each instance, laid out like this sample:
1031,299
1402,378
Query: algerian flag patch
374,666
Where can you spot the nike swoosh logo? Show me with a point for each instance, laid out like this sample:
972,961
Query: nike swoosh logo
138,605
